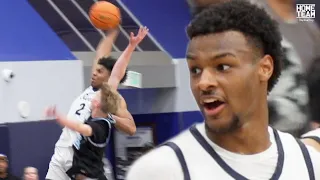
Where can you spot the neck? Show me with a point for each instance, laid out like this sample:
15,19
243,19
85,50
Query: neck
251,138
3,174
284,9
99,114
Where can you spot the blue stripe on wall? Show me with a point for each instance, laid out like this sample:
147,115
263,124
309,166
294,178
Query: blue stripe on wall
189,118
32,144
166,19
25,36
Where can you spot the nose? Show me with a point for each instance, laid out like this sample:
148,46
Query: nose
208,80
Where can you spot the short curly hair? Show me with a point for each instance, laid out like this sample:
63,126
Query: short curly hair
110,100
108,63
254,22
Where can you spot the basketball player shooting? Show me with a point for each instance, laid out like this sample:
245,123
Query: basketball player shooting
80,110
234,57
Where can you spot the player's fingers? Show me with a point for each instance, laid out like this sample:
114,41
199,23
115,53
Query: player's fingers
145,31
48,112
131,35
54,110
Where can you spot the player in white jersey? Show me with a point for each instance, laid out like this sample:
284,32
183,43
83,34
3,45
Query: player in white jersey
234,57
80,110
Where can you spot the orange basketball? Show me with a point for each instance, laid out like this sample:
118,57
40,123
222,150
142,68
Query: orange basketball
104,15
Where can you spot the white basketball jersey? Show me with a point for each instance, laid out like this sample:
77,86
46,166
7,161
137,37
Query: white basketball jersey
80,111
201,159
193,156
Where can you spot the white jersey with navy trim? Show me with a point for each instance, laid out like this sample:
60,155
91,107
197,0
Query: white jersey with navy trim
80,110
62,158
314,134
283,160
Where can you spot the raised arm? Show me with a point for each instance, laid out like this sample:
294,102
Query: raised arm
120,67
105,46
124,119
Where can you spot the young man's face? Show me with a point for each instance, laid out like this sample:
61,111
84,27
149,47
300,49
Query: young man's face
225,78
100,75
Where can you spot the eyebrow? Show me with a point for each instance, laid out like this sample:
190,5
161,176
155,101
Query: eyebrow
215,57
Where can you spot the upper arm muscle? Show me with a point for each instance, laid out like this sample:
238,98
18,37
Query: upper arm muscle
123,110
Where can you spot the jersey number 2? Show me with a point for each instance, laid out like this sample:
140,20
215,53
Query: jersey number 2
80,109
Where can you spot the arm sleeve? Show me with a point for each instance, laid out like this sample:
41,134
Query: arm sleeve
159,164
100,131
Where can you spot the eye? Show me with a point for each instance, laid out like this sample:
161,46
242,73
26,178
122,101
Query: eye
222,67
195,70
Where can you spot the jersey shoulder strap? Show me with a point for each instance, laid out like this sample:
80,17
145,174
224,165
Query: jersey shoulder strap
315,138
181,159
307,159
109,121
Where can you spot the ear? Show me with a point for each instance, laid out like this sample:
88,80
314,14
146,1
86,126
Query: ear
265,68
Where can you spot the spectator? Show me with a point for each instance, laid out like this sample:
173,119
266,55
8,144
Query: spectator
4,173
304,35
30,173
290,102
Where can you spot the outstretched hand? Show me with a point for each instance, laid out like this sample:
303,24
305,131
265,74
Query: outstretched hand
135,40
51,112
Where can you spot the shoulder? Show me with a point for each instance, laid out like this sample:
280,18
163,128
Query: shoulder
122,100
85,96
312,138
160,163
100,131
313,133
99,126
89,91
123,104
289,141
315,158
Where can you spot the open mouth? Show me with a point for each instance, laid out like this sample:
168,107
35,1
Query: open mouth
212,105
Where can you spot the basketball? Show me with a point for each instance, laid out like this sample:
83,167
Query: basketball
104,15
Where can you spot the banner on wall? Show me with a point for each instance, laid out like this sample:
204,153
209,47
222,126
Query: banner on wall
129,148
